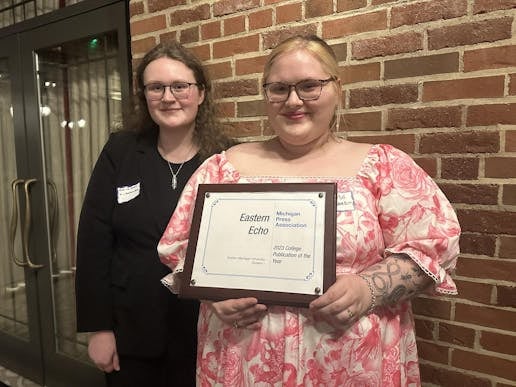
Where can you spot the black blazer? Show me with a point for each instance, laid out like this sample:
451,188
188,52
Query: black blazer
118,269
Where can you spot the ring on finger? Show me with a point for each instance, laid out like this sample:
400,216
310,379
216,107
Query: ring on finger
235,324
350,313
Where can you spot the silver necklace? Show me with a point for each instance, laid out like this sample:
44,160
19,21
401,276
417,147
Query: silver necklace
174,174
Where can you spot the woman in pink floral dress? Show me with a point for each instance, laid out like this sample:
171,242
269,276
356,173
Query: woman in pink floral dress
396,237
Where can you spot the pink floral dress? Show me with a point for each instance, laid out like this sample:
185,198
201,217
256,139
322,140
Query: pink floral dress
397,209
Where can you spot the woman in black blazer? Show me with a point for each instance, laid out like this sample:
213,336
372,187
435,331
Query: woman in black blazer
143,335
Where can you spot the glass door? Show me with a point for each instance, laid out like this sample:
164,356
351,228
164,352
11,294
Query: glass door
74,73
19,329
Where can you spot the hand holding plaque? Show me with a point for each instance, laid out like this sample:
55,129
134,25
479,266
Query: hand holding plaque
275,242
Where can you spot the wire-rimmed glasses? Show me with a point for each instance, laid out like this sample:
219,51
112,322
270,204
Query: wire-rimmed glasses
156,91
307,89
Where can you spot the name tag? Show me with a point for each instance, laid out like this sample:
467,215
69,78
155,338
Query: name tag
124,194
345,201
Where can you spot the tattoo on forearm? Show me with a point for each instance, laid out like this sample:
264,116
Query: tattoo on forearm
397,279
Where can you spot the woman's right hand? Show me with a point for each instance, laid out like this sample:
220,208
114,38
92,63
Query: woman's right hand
240,313
102,351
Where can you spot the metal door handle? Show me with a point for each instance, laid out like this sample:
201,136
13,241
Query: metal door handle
14,222
26,226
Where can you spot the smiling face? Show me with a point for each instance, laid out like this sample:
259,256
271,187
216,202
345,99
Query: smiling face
295,121
168,112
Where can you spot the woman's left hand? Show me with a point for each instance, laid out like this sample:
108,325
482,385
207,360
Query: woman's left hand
344,302
240,312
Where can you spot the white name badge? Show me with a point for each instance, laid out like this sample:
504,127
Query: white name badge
124,194
345,201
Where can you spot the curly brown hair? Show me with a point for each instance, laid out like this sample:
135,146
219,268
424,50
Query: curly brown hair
208,133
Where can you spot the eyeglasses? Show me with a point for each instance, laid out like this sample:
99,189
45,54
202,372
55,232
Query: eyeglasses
307,89
156,91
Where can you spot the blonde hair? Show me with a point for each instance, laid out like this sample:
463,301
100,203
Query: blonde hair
321,51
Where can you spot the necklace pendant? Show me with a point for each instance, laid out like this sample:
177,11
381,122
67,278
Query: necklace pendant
174,182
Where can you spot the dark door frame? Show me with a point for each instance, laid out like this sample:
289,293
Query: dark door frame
39,360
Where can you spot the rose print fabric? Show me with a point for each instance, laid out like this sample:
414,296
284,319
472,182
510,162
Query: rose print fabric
396,208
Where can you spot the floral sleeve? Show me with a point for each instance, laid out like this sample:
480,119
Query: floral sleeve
172,245
416,218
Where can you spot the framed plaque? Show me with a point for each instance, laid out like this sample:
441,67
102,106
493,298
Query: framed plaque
275,242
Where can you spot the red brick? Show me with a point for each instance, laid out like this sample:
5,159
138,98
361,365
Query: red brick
512,84
159,5
421,12
250,65
428,164
226,109
272,38
481,87
422,65
233,89
432,307
484,363
340,51
226,7
230,47
316,8
360,73
347,5
509,194
456,335
234,25
202,52
352,25
506,296
219,70
251,108
507,247
502,167
474,291
135,8
433,352
260,19
432,117
288,13
384,95
169,36
460,142
510,141
151,24
361,121
491,114
390,45
447,378
497,342
459,168
471,193
487,221
141,46
485,316
405,142
425,329
490,58
493,269
479,244
196,14
481,6
243,128
190,35
470,33
211,30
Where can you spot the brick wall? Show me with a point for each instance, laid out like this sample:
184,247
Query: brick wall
434,78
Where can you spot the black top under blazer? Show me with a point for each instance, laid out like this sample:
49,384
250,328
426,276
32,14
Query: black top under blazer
118,269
